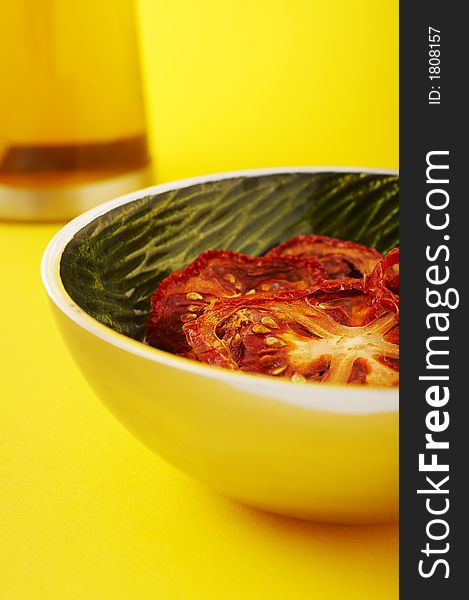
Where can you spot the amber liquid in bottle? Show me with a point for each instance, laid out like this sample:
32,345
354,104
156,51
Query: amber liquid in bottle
72,163
71,110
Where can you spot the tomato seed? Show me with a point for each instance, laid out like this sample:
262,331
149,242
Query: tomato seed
279,370
269,322
258,328
194,296
275,342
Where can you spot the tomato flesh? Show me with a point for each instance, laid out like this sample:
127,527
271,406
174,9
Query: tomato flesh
340,259
386,273
184,295
336,333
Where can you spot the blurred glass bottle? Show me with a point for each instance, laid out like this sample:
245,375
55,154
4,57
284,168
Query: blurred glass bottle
72,127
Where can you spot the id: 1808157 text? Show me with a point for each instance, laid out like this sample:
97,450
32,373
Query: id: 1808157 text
434,69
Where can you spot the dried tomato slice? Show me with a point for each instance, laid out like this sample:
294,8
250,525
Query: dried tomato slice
340,259
184,295
337,333
386,273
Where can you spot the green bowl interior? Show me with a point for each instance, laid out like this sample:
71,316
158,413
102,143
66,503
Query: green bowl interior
112,265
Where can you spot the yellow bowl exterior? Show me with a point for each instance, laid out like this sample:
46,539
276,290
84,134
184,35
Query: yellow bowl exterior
270,454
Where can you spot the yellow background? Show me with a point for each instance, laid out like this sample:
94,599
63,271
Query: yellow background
85,510
259,83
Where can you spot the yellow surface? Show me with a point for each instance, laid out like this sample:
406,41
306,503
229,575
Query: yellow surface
85,510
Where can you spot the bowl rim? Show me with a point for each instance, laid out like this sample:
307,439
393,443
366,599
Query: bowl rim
359,400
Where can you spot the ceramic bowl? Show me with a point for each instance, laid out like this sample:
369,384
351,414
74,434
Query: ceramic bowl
314,451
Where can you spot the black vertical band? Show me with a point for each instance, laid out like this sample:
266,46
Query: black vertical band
434,428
